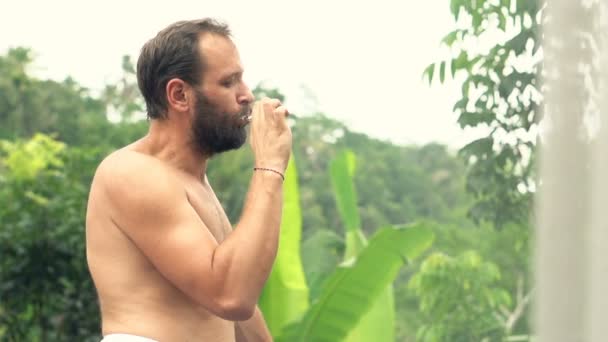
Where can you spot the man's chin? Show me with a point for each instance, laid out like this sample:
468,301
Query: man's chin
235,145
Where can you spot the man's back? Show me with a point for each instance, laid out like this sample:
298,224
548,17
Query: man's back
135,298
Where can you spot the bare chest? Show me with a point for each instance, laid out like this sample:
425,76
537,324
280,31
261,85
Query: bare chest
209,209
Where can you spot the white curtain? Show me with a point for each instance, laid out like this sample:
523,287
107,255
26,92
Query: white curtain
571,244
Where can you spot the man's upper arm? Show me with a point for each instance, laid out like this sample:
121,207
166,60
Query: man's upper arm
153,209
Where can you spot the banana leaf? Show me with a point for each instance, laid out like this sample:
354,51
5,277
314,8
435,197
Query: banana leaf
378,324
356,285
321,253
342,171
285,295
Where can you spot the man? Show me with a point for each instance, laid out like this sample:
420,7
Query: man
161,251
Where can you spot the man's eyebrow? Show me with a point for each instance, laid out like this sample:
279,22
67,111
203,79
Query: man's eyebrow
233,74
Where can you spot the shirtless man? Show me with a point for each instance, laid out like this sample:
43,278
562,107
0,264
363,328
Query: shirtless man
165,261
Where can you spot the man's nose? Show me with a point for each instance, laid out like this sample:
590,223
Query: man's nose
246,97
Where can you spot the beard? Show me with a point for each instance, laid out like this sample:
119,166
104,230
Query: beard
214,131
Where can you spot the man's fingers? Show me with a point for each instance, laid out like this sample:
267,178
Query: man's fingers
281,111
267,109
275,102
270,104
257,114
280,115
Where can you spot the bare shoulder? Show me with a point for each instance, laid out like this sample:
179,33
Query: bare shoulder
135,182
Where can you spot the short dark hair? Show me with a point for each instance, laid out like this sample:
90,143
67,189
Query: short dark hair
173,53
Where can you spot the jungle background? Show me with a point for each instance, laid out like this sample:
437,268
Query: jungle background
455,223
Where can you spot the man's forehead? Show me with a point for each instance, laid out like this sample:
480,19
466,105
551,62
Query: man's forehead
220,54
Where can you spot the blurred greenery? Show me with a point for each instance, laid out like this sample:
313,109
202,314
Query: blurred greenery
459,298
500,93
45,171
354,286
379,322
285,295
471,284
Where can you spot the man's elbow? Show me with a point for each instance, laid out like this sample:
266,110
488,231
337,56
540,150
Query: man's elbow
227,302
236,309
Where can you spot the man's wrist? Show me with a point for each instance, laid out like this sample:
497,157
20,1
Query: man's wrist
269,169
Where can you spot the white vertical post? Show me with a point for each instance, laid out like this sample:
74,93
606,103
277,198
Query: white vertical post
571,248
597,263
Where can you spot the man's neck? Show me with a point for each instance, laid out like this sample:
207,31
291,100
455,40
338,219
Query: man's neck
171,142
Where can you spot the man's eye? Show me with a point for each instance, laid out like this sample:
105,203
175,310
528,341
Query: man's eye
229,82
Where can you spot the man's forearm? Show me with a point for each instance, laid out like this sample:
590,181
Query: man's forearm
245,258
253,329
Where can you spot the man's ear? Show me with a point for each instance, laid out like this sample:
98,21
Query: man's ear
178,95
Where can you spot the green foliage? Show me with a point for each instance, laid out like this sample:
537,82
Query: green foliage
45,290
342,170
379,321
261,91
496,55
321,254
353,287
500,93
124,97
285,295
29,105
24,160
409,182
459,298
230,174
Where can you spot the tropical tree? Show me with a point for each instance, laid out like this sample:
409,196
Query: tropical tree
497,55
460,299
45,289
496,47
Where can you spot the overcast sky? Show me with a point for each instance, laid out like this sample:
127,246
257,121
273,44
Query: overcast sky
361,61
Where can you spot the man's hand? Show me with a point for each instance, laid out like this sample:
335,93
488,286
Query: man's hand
270,134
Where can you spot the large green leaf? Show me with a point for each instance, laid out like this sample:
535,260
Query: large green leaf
285,295
354,287
378,323
342,169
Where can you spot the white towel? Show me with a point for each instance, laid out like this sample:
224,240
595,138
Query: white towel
125,338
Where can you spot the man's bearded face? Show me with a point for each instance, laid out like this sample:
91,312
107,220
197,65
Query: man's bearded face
214,131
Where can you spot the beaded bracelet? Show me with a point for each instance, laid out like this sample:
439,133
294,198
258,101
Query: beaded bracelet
271,170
